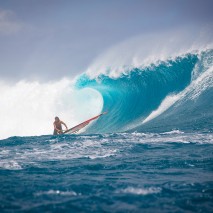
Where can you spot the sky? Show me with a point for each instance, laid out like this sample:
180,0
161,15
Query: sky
47,40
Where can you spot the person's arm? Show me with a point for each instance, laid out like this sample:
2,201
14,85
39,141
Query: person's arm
64,125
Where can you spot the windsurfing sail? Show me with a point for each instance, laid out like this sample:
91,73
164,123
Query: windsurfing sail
82,125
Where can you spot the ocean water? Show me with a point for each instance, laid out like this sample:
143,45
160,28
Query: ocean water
172,94
120,172
152,152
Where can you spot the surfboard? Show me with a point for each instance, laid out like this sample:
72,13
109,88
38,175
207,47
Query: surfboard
80,126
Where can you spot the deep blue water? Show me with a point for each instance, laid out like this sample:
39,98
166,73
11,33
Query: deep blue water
125,172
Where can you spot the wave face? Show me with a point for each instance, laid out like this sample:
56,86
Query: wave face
170,94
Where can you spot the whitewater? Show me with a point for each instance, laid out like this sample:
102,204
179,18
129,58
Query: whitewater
152,152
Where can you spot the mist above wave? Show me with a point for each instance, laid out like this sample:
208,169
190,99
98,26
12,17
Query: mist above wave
148,49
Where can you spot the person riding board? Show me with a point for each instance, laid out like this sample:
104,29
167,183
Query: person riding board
58,126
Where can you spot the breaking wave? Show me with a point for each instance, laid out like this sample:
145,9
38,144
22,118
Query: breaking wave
173,94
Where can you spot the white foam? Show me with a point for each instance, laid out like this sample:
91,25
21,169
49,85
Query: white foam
33,155
199,85
57,192
174,136
105,154
10,165
141,191
166,103
172,132
29,108
193,91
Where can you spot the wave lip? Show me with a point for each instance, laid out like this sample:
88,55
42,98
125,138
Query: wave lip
148,49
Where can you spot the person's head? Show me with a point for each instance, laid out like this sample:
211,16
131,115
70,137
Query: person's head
57,119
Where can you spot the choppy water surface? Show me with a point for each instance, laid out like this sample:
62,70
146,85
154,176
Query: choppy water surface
123,172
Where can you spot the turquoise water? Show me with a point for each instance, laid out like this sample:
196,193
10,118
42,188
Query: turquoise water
138,92
152,152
